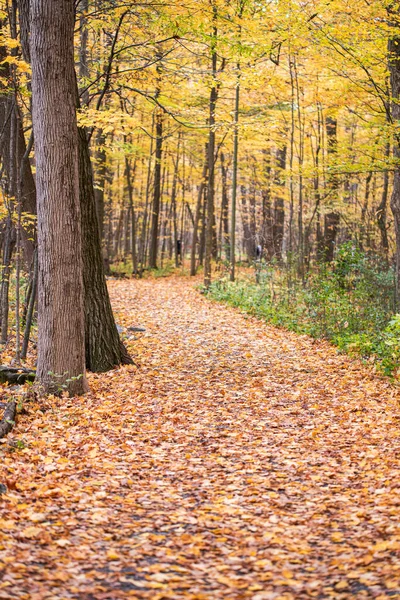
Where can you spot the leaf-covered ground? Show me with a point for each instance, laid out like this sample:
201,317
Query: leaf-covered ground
235,461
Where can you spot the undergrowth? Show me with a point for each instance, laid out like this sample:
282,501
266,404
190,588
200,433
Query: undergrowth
350,303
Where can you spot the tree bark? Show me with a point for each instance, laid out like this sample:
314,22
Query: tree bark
210,216
10,118
197,216
279,203
104,349
394,69
155,216
332,219
381,213
61,338
225,237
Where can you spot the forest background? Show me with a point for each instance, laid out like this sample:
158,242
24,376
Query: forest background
223,133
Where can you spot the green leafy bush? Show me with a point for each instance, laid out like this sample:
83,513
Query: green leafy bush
350,303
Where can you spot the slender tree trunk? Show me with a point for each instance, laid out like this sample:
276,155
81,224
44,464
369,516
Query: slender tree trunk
235,165
30,307
173,207
247,235
210,216
225,209
381,213
10,119
83,52
198,216
202,243
332,219
61,339
143,237
100,172
155,215
279,203
133,216
8,248
394,67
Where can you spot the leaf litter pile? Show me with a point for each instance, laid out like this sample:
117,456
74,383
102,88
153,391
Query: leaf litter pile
234,460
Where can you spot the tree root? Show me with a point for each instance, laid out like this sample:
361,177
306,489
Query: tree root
16,375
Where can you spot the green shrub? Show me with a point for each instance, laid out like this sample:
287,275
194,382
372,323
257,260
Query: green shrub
349,303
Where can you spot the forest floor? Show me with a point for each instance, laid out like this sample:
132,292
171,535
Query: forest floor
234,461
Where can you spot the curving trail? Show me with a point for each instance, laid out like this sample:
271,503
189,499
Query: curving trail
237,461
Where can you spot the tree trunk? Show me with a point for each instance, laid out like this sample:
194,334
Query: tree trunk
279,203
197,217
394,68
104,349
10,118
100,176
249,243
133,216
381,213
225,238
210,216
155,216
61,338
332,219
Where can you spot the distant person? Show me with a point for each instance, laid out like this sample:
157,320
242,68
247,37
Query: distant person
258,252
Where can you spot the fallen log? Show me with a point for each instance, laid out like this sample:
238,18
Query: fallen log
8,420
16,375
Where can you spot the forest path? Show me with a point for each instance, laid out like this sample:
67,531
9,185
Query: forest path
237,461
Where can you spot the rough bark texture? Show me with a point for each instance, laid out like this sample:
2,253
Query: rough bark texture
61,349
12,169
394,67
104,349
155,216
210,214
8,420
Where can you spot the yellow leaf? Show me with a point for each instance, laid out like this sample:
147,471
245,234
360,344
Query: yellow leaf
32,532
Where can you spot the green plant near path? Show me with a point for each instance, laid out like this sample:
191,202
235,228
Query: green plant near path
350,303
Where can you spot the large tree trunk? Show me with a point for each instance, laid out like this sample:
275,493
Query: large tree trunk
61,339
104,349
